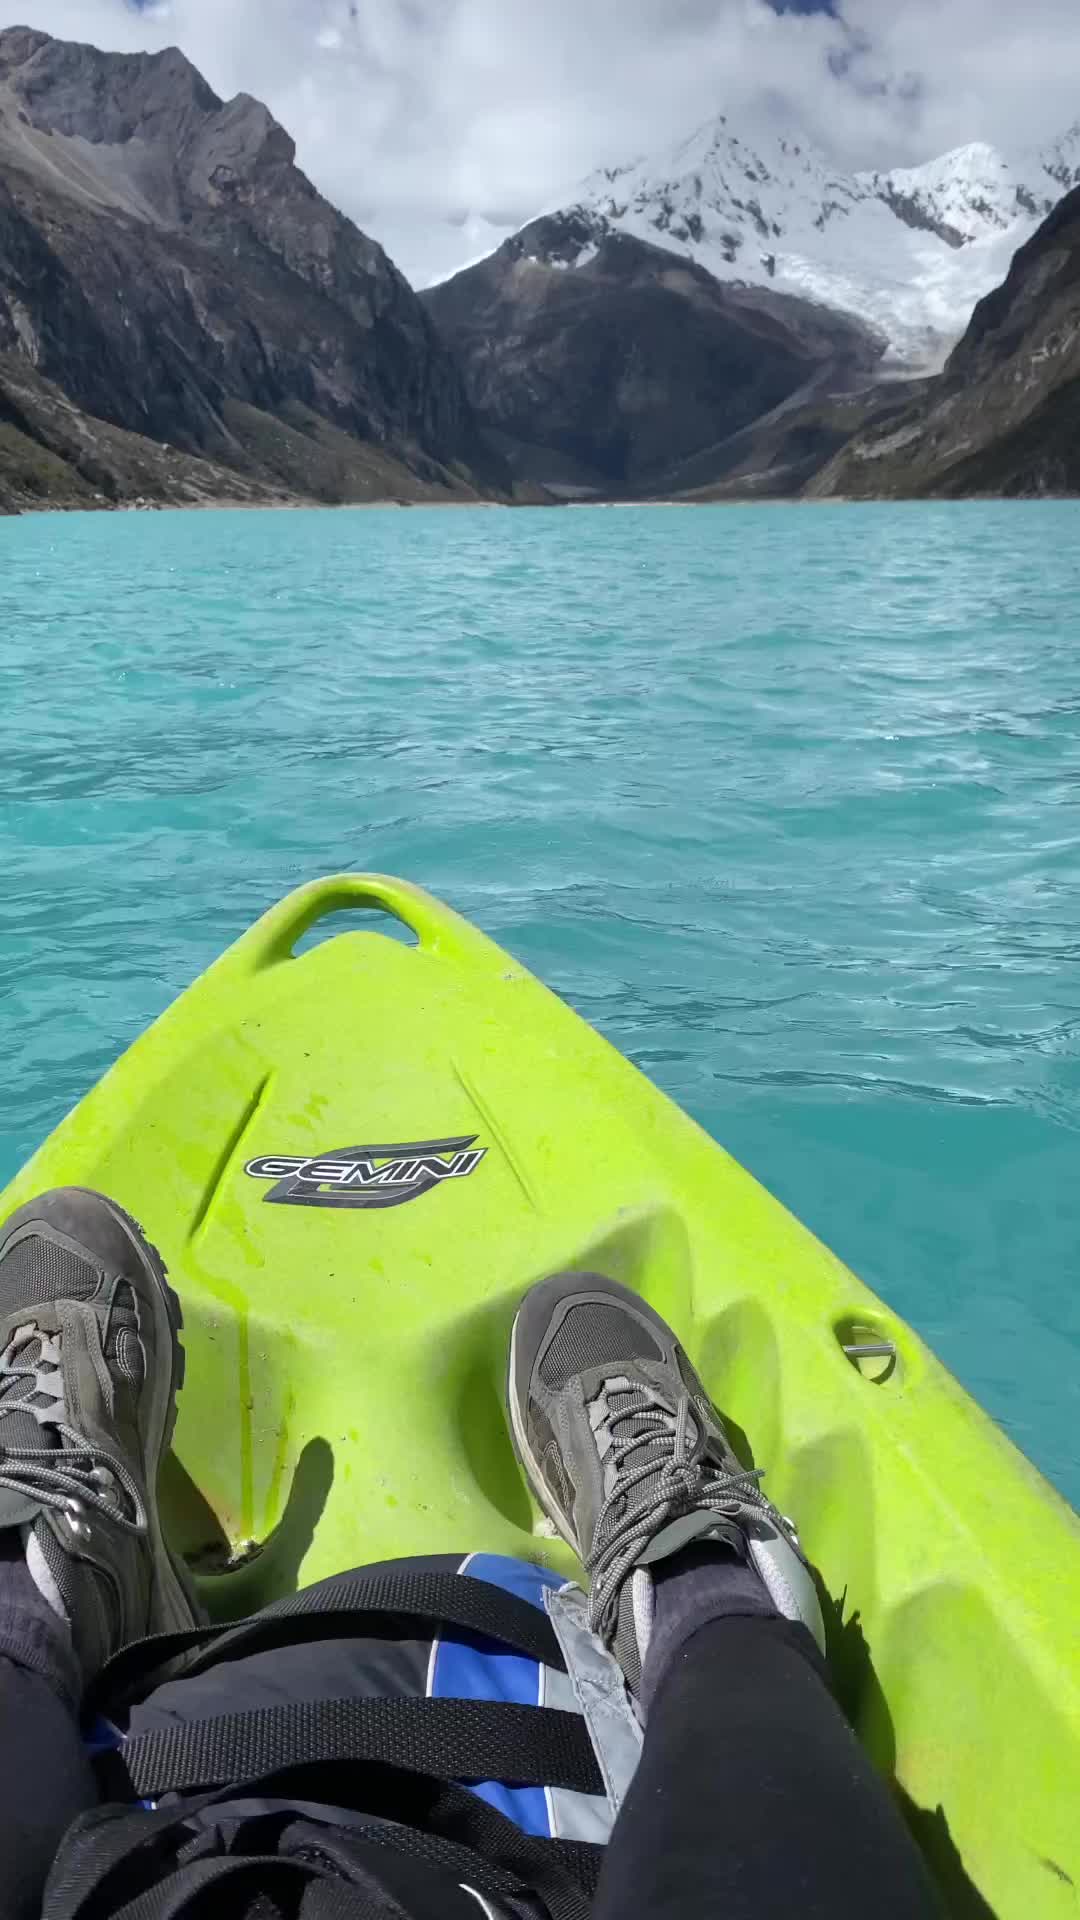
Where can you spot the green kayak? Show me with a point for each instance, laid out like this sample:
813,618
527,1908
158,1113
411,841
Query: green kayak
354,1161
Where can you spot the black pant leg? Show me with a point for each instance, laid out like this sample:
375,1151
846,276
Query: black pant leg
45,1781
754,1800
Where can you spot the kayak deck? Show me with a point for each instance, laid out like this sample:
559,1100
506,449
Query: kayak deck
355,1160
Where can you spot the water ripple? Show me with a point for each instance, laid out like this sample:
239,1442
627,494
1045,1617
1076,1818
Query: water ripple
787,802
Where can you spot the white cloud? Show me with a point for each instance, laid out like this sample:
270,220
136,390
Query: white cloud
440,123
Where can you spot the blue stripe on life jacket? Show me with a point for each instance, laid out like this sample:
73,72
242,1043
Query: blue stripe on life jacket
471,1667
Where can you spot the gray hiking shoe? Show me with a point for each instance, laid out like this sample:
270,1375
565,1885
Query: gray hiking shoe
629,1458
90,1364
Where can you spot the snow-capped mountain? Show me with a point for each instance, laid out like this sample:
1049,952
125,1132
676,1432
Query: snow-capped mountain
909,251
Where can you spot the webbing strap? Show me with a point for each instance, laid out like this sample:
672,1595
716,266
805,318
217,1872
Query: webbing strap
375,1604
110,1859
256,1885
448,1739
169,1898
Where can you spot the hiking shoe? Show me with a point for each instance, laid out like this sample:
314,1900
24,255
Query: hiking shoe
90,1364
627,1455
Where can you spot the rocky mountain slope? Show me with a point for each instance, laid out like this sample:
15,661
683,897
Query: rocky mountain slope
908,252
778,455
1004,417
54,455
167,269
607,364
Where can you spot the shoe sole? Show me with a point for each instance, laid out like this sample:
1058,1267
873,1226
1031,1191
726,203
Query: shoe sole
175,1606
527,1459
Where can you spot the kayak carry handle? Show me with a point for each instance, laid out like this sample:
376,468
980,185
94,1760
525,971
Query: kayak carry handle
437,927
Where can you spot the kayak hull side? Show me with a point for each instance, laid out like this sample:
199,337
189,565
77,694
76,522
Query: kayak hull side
347,1339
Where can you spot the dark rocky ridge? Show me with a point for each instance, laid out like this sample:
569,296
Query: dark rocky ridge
908,208
55,455
165,264
1004,416
613,375
776,456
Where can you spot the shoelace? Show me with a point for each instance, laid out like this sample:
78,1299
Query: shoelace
73,1476
686,1483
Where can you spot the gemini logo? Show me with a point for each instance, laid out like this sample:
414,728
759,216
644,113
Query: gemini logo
384,1176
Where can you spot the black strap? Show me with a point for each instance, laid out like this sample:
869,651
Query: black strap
205,1885
372,1603
171,1897
111,1858
449,1739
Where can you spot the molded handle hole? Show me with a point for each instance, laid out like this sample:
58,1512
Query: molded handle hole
870,1349
358,919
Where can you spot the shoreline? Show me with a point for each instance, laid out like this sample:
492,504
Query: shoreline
231,504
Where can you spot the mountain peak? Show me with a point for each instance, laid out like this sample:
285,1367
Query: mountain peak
908,250
107,99
170,271
162,140
19,44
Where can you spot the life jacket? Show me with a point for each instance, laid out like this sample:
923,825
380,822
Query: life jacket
412,1738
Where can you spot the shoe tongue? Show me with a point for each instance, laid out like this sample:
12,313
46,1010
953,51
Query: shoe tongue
702,1526
639,1417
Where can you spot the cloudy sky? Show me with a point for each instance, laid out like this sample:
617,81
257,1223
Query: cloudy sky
434,121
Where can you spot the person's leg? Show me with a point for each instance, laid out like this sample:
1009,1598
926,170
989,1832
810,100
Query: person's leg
45,1777
753,1798
89,1366
45,1781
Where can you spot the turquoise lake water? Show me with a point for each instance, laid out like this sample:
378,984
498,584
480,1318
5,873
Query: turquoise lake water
785,800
